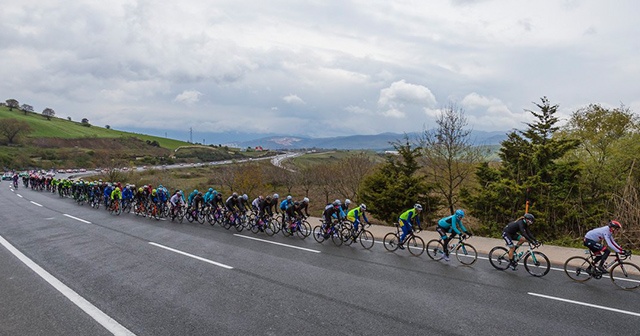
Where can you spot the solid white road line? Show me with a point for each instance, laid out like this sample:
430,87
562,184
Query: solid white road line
32,202
107,322
276,243
191,256
585,304
78,219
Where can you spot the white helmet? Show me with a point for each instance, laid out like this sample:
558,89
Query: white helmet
276,196
417,206
337,202
245,197
363,207
347,201
305,200
289,198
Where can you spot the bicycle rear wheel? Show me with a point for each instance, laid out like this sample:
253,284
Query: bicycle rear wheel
625,275
435,249
415,245
317,234
466,254
390,241
304,230
366,239
537,264
499,258
336,237
578,269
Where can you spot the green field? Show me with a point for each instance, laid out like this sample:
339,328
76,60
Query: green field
65,129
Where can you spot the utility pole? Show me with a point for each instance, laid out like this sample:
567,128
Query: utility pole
190,135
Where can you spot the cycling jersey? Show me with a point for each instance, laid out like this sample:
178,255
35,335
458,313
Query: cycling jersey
603,233
519,226
451,224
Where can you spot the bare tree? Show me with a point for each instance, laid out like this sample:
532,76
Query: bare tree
26,108
449,157
227,176
351,170
12,103
12,129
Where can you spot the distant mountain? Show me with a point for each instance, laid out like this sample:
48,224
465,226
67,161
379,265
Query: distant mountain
375,142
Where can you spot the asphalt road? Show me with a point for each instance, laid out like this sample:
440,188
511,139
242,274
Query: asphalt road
150,277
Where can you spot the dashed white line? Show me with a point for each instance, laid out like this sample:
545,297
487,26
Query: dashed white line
78,219
19,195
585,304
105,320
276,243
34,203
192,256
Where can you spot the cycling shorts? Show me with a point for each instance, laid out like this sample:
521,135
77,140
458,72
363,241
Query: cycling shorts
596,247
510,238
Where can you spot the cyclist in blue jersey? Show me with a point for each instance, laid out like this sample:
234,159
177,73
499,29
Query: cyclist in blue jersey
453,225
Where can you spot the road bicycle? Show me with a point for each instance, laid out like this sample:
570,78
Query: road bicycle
535,262
298,226
152,211
465,252
114,207
322,232
364,236
264,224
623,274
414,244
126,205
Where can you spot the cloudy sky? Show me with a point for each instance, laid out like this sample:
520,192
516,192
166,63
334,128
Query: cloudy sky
319,67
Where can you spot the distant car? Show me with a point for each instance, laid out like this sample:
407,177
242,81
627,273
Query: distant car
7,176
82,170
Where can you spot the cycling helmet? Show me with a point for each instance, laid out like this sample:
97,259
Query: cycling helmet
199,194
179,193
337,203
276,196
615,224
140,189
234,195
529,217
417,206
289,198
268,197
347,201
363,207
118,188
305,200
154,191
296,203
210,189
195,191
460,213
245,197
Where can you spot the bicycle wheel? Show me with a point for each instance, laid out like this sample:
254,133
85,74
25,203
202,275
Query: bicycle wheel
578,269
466,254
255,226
537,264
238,224
317,234
435,249
201,217
346,236
499,258
336,237
625,275
268,228
415,245
390,241
304,230
366,239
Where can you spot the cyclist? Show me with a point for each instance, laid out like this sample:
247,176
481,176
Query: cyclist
510,233
198,204
243,203
330,211
291,213
593,240
232,204
209,195
191,196
450,225
354,216
176,200
107,194
283,206
345,206
405,220
116,195
304,205
255,204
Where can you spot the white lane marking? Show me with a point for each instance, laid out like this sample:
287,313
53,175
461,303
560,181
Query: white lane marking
586,304
192,256
19,195
105,320
32,202
78,219
276,243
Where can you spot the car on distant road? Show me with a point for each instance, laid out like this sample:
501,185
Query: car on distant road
7,176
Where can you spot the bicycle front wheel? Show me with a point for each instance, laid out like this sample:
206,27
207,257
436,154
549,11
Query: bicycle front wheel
304,230
537,264
435,249
415,245
366,239
391,241
499,258
336,237
578,269
466,254
318,235
625,275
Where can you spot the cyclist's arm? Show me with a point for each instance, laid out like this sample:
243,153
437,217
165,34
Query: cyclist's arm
525,232
612,244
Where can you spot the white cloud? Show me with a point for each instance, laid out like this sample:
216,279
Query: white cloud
394,113
293,99
188,97
401,92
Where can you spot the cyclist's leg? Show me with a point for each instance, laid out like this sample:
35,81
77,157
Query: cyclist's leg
406,228
445,241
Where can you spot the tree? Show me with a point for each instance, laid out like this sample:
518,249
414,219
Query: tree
85,122
395,185
12,103
107,126
351,172
449,157
12,129
48,113
26,108
533,173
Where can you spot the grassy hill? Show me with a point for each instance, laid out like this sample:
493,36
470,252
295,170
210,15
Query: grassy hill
61,143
